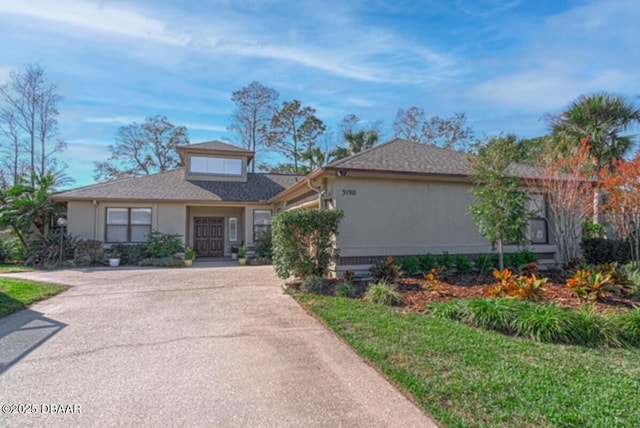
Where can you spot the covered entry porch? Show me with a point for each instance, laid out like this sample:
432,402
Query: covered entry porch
214,230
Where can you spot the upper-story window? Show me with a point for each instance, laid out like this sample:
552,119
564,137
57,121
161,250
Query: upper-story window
212,165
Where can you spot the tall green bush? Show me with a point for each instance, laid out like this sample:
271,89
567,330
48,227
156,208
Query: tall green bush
164,244
303,242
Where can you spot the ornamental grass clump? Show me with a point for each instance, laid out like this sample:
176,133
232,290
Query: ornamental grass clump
544,323
383,293
312,284
492,314
345,289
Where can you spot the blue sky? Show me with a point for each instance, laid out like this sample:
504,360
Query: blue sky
505,64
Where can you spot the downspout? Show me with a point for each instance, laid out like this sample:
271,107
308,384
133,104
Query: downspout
318,190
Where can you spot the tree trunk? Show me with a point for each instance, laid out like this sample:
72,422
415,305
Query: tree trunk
501,254
596,205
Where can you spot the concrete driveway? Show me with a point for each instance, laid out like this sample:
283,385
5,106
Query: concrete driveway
214,346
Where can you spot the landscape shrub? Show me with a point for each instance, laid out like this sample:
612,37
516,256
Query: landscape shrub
592,285
162,245
521,287
303,242
386,270
383,293
600,250
410,265
427,262
10,250
463,264
131,254
45,249
312,284
161,262
90,252
445,261
486,263
345,289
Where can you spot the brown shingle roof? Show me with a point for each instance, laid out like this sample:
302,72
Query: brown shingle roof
406,156
172,186
218,146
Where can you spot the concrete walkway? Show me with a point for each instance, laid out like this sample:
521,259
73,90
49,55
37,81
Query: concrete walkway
207,346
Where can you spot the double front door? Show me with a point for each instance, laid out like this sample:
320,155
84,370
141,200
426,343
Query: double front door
209,236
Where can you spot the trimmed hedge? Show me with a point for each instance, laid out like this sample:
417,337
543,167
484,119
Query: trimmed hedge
303,242
599,251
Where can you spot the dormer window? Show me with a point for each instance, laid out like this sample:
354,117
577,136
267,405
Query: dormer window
216,165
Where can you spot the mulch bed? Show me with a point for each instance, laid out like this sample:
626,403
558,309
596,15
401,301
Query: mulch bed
418,292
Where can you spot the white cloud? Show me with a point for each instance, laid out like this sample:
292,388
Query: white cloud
581,51
205,127
118,120
117,20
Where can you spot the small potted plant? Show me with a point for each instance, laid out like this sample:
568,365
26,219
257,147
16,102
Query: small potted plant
189,256
242,255
114,258
234,252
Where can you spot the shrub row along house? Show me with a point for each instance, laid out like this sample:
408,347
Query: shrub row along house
399,198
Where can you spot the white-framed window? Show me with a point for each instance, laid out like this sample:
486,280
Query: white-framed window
261,223
128,224
233,228
538,232
213,165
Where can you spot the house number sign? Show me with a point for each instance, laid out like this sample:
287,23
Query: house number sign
348,192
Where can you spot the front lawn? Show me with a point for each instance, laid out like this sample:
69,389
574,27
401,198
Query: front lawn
14,268
16,294
465,376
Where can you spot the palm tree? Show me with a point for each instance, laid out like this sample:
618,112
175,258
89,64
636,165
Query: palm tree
356,142
28,209
600,120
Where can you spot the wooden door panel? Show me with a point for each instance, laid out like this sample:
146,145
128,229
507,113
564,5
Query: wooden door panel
209,236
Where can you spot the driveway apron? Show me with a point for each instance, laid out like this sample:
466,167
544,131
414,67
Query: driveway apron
205,346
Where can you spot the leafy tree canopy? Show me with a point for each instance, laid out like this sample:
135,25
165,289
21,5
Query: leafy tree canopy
143,149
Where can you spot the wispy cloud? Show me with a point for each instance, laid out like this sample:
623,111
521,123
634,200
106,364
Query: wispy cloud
92,16
117,120
572,53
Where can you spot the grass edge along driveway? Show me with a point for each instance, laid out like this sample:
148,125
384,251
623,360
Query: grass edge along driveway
465,376
17,294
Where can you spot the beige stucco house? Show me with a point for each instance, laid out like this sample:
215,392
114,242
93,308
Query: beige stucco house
213,202
400,198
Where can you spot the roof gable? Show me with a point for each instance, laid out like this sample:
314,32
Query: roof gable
215,148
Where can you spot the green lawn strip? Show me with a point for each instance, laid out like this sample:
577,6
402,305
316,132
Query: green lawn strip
466,376
14,268
16,294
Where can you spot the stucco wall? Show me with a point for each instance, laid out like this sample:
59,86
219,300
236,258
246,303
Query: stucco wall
403,217
82,220
87,221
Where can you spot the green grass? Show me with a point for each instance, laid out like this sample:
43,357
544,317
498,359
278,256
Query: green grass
466,376
16,294
14,268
